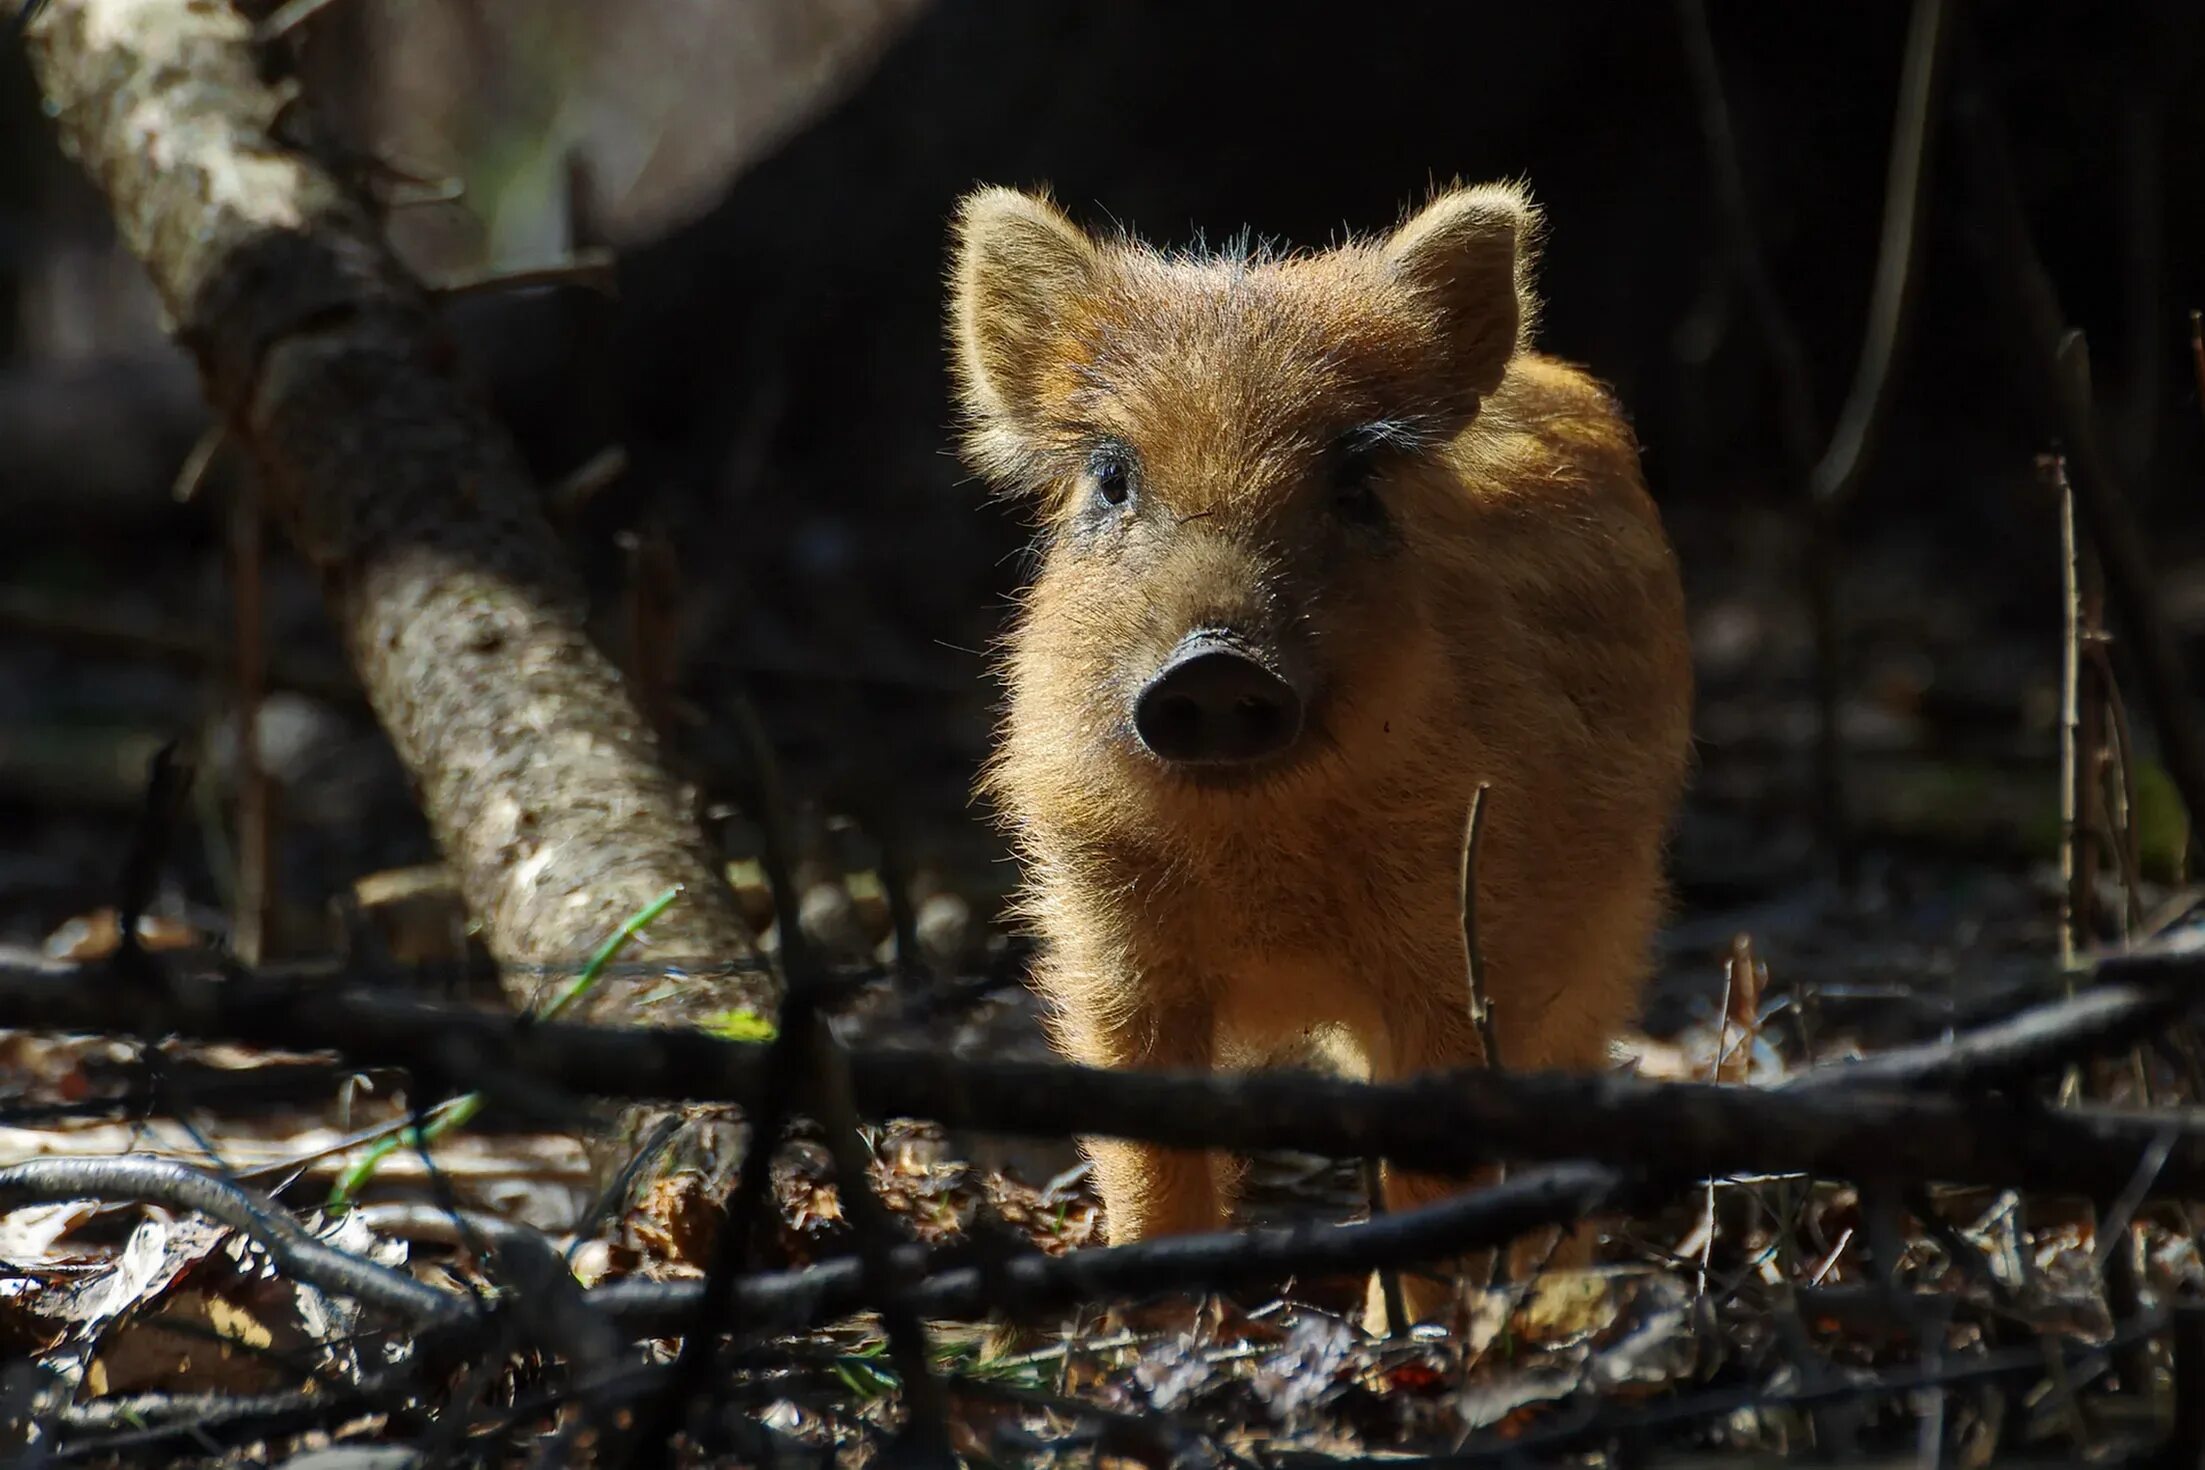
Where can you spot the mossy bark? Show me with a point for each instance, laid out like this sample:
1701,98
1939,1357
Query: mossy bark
325,360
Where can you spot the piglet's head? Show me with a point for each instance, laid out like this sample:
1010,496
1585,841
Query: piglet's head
1241,466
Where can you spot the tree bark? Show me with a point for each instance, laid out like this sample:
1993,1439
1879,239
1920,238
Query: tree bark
324,358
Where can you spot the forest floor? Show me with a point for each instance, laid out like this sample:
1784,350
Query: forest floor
1752,1315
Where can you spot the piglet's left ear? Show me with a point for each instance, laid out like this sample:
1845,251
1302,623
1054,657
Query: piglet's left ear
1467,258
1019,272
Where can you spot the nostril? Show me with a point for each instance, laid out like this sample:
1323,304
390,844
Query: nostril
1259,718
1174,726
1214,705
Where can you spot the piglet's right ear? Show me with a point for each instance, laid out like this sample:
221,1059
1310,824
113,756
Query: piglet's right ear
1467,255
1020,268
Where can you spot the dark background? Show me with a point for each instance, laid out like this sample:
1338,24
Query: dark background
773,367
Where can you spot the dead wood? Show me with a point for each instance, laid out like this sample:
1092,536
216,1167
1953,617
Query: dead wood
1036,1286
1861,1123
324,360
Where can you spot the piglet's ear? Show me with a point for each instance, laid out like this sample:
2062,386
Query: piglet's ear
1466,257
1019,270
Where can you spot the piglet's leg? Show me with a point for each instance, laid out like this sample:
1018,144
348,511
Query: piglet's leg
1434,1043
1453,1043
1147,1190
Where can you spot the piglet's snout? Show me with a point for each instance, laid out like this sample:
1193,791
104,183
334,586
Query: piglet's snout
1213,704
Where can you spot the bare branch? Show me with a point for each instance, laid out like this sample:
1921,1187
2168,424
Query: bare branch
295,1252
1449,1123
1030,1286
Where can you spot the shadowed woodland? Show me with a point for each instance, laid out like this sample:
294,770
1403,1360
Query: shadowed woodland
495,646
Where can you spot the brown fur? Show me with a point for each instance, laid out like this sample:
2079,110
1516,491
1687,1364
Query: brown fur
1517,621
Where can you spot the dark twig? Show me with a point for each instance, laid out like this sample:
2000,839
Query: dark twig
2114,1255
612,1199
551,1305
2077,834
2102,1020
1447,1123
1796,418
1481,1017
168,782
295,1252
101,633
2197,352
1837,474
925,1437
653,597
126,1426
2112,1233
1035,1285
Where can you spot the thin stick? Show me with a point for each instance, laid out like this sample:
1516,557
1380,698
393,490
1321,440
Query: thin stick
653,599
254,918
2054,475
168,784
1481,1004
286,18
2077,871
191,475
1389,1277
1715,1074
1031,1285
592,269
2121,751
586,481
1906,197
2197,352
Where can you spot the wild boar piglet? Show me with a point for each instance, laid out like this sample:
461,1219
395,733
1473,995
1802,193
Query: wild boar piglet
1325,545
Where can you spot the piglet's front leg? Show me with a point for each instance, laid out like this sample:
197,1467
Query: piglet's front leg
1147,1190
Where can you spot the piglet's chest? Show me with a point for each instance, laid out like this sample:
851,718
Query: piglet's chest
1299,1010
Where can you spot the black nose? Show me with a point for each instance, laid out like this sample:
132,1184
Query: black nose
1211,704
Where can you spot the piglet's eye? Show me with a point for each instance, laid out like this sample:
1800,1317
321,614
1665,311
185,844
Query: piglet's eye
1112,472
1354,491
